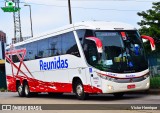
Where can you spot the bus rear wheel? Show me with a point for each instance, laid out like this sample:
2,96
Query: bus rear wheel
20,90
79,90
27,90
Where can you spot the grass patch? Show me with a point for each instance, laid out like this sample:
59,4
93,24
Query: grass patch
155,82
3,89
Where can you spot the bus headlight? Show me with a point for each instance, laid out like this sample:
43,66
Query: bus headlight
110,87
147,85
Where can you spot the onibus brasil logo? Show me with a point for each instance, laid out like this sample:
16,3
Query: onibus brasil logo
10,7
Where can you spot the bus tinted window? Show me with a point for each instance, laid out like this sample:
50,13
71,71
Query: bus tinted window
31,51
69,45
43,48
89,33
15,58
54,46
81,35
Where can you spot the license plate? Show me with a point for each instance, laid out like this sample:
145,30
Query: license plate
131,86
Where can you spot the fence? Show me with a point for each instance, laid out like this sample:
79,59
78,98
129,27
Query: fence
154,64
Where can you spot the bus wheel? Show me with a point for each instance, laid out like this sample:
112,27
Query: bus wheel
26,90
79,91
118,95
20,90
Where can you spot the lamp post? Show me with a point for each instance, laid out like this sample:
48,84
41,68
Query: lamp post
30,18
70,14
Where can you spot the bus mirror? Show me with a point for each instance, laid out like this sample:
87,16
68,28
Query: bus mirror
98,43
152,42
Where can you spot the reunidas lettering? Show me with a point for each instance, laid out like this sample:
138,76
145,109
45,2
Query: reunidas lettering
55,64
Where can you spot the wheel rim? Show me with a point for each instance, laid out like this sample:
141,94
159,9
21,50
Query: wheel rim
26,90
20,89
79,90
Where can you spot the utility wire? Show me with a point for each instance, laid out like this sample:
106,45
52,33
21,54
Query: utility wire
82,7
106,0
87,7
116,0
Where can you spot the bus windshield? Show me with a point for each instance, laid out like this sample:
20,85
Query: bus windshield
123,52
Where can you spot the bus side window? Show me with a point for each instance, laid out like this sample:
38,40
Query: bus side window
69,44
43,48
55,46
90,51
81,35
31,51
89,33
15,58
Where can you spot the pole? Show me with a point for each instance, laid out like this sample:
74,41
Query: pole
70,14
31,20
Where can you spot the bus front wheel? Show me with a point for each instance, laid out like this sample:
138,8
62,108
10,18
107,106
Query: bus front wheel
79,90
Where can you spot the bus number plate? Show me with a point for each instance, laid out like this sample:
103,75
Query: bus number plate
131,86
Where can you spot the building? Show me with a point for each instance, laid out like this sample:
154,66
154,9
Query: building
2,50
2,37
2,61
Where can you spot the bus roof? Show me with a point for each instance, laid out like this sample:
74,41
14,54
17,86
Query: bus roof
94,25
102,25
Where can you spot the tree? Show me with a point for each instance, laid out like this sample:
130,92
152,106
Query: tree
150,25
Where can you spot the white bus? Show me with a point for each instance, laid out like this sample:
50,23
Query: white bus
85,58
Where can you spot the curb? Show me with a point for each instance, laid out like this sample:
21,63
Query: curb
150,91
153,91
3,91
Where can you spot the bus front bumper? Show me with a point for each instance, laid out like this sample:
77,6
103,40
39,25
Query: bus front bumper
113,87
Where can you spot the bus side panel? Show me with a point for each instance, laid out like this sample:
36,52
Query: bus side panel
76,68
58,80
11,81
85,77
46,80
79,69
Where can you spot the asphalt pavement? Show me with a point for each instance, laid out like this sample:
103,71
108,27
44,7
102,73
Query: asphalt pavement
98,102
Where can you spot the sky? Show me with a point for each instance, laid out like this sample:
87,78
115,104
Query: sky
51,14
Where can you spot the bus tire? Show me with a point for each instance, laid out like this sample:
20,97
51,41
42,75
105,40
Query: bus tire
20,90
79,90
118,95
27,90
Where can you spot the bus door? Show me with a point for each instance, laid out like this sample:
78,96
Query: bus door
92,57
